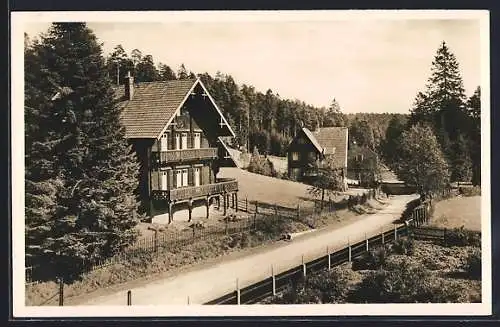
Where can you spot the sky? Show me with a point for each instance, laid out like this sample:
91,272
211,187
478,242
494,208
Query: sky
367,65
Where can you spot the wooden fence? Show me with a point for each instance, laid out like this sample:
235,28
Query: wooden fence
259,211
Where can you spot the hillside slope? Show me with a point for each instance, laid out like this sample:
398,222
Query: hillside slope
272,190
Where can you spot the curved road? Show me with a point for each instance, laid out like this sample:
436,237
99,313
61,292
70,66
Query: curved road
203,285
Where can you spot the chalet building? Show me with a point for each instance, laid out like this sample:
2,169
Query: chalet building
176,131
310,150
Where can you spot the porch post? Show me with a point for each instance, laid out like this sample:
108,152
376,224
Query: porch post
225,203
236,199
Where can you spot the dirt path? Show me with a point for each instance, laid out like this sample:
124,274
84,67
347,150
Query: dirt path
202,285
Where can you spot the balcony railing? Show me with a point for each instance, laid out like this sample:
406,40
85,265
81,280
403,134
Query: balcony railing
193,192
183,155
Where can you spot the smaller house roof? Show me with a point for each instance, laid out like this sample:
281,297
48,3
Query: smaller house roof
331,141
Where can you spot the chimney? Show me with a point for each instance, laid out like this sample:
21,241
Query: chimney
129,86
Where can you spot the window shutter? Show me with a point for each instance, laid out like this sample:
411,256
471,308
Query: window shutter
170,179
155,180
204,141
205,175
190,176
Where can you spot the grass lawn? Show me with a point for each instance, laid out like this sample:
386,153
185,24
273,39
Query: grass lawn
457,212
273,190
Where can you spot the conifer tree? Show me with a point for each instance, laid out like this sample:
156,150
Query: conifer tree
88,155
442,105
474,108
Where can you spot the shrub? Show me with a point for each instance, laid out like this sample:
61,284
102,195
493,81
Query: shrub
401,283
404,246
470,191
373,259
298,295
472,264
260,165
333,285
462,237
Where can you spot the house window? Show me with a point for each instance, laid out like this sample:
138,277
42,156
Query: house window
184,141
184,177
163,180
196,176
164,142
178,178
295,156
197,141
177,141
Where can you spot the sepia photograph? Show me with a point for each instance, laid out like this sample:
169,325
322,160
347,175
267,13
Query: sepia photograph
251,163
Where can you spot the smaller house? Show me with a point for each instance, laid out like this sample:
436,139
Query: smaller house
309,150
363,165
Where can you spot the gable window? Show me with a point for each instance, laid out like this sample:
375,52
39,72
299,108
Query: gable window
197,141
184,141
295,156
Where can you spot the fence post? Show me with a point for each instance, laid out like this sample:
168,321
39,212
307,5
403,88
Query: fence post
156,242
366,238
329,258
129,297
304,270
246,203
382,235
275,209
61,292
227,223
274,280
237,291
395,232
349,246
255,220
444,235
298,210
256,206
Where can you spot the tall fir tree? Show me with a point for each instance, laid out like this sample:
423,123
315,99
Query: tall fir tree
88,155
442,106
474,109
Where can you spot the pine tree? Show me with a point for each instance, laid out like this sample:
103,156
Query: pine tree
42,180
88,154
474,109
118,65
442,105
145,71
166,73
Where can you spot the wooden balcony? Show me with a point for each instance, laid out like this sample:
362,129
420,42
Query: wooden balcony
169,156
194,192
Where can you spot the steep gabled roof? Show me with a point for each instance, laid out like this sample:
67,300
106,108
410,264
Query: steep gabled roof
334,142
154,105
313,139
